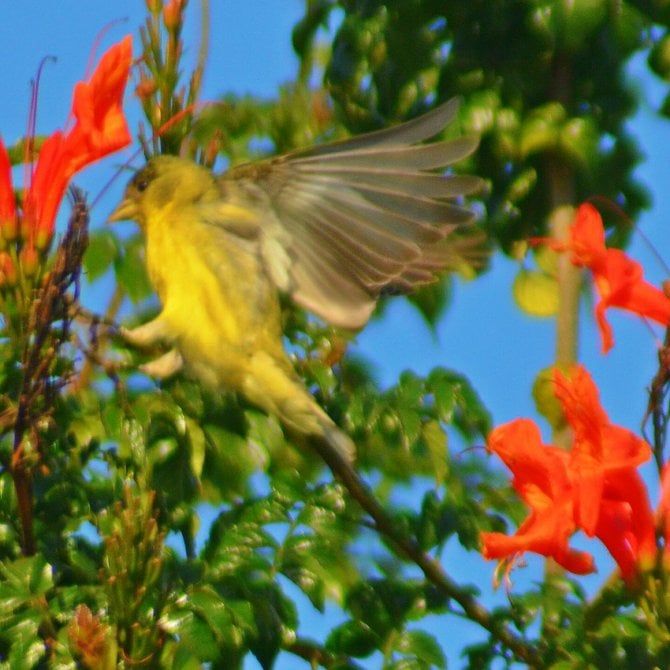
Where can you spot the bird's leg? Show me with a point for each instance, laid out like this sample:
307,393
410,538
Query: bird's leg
147,334
164,366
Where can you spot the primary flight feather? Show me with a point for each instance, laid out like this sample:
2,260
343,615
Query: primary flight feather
332,226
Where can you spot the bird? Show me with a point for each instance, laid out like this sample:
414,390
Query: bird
333,227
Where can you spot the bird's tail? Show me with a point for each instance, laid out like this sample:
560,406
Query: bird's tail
274,387
334,439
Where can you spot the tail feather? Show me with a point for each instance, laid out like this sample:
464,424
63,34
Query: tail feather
338,441
272,385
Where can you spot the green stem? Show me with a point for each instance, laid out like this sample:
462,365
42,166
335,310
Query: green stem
561,182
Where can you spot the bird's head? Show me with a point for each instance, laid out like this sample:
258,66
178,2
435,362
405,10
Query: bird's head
165,181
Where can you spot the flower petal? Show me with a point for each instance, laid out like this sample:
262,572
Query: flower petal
100,128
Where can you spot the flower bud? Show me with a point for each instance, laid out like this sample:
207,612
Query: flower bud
43,239
29,259
9,228
145,89
7,270
172,14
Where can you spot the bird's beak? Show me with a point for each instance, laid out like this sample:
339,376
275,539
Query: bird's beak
126,211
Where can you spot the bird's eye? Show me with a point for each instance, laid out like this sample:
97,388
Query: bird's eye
143,178
141,184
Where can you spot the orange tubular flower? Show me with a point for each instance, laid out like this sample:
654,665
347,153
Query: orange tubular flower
611,500
541,478
7,200
99,129
601,452
619,280
594,487
664,513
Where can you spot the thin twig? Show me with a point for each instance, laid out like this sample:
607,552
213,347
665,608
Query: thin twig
98,341
313,654
36,396
407,546
658,392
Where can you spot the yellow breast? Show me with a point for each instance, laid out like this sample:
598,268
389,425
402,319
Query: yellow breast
217,300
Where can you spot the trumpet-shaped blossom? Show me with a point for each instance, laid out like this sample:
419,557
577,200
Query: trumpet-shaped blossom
8,222
618,279
601,452
593,487
542,480
664,512
99,128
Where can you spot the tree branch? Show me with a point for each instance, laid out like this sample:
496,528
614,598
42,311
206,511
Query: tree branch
407,547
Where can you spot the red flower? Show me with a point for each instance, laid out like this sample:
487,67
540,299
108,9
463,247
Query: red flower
626,524
601,452
594,487
99,129
7,200
542,479
664,513
619,280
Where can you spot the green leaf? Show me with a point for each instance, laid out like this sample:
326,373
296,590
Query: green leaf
229,460
196,635
227,628
197,445
301,556
353,638
458,403
383,604
131,271
103,248
435,440
183,658
427,532
432,300
422,646
579,139
27,647
268,641
540,130
23,580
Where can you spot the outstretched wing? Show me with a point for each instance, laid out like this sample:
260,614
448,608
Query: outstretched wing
349,219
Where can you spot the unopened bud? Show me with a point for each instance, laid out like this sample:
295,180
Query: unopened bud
172,14
145,89
43,239
26,224
30,260
7,270
212,149
9,228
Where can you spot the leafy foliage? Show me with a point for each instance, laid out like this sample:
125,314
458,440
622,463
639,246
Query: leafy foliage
176,528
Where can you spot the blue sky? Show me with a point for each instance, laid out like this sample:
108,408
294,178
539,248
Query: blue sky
483,335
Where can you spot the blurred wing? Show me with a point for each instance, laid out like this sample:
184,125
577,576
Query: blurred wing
340,222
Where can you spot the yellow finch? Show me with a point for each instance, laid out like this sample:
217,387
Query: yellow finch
332,226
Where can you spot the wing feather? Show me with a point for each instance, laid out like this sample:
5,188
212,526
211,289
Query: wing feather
418,129
423,185
357,217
